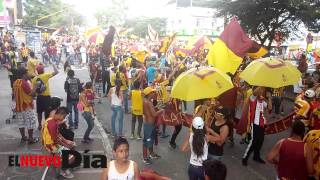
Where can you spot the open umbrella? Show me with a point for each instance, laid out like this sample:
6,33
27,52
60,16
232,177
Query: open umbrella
271,72
200,83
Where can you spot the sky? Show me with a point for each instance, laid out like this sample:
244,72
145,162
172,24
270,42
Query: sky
136,7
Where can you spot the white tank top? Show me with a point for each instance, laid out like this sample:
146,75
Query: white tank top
113,174
115,100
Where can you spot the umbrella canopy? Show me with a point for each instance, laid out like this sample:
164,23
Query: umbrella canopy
271,72
200,83
140,52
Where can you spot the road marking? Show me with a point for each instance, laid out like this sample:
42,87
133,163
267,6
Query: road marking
258,175
105,139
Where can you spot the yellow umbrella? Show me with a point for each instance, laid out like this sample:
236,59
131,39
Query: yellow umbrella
200,83
271,72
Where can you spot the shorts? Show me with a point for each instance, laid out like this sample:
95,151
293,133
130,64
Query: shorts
43,104
149,134
26,119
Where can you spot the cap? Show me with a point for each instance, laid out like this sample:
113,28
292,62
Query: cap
198,123
40,68
309,93
148,90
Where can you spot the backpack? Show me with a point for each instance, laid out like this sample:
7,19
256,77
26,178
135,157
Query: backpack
73,88
40,86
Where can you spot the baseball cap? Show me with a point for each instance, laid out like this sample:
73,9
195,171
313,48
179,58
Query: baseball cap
198,123
309,93
148,90
40,68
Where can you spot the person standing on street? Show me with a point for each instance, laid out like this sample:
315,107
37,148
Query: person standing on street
24,52
23,95
257,106
32,64
292,157
149,126
197,143
137,111
72,87
115,97
41,85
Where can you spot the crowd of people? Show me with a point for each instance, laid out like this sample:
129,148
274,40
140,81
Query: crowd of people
146,84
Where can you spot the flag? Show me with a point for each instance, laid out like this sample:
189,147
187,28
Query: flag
257,51
153,35
92,31
228,50
107,42
166,42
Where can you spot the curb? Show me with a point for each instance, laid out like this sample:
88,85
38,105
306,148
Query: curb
105,140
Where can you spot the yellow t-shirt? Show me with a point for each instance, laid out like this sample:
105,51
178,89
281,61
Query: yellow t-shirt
45,79
164,95
124,82
313,139
25,52
31,66
303,107
137,104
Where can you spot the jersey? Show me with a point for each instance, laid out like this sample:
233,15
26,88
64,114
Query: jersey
313,139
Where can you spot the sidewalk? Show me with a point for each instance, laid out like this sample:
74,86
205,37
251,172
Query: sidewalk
10,136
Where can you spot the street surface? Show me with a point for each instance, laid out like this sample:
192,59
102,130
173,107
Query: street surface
173,163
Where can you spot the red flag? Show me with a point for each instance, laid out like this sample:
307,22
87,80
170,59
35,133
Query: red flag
153,34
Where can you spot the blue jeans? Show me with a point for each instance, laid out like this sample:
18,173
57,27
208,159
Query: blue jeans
70,105
195,172
126,100
116,110
89,119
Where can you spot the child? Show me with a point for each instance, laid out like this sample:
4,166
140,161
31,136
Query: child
137,111
197,142
121,168
87,98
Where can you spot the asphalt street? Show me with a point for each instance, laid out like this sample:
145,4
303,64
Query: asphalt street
173,163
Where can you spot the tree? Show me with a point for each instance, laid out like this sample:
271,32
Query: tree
36,9
263,19
140,25
115,14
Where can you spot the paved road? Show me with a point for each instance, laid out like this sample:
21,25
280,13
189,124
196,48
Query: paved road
173,162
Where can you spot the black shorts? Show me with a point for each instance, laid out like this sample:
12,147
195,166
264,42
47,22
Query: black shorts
43,104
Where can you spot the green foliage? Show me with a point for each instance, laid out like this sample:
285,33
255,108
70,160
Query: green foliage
115,14
140,25
36,9
264,18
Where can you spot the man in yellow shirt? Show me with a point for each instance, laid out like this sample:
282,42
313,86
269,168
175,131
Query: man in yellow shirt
41,85
24,51
31,65
137,110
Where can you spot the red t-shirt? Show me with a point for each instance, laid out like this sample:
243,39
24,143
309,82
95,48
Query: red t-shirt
53,129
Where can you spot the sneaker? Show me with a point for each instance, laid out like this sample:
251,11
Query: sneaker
71,127
90,140
139,137
24,139
154,156
66,174
76,127
147,161
132,136
259,160
244,162
173,145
